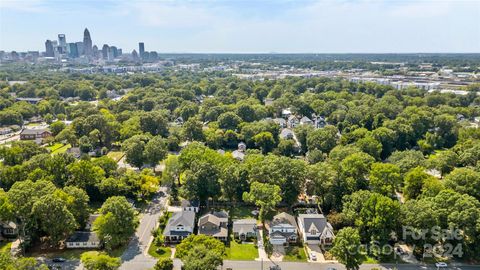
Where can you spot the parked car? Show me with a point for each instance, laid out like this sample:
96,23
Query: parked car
441,265
59,260
313,256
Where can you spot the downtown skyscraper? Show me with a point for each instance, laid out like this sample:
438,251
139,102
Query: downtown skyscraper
87,43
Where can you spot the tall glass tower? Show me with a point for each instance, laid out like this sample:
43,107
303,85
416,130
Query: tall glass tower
87,43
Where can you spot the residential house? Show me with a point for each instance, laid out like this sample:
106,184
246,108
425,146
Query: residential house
215,225
281,122
239,154
314,229
83,240
4,131
306,121
282,229
286,134
244,228
8,229
190,206
35,133
75,152
179,121
292,121
179,226
29,100
319,122
91,219
286,113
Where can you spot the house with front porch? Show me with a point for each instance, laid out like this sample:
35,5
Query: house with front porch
179,226
244,229
282,229
215,225
314,229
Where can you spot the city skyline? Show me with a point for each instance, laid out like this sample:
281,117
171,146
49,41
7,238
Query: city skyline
347,26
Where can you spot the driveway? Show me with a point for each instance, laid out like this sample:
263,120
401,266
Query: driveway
278,253
262,255
315,249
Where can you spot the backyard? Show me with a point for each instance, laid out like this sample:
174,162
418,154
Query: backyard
115,155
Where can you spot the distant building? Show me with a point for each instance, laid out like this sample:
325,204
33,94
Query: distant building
49,51
34,133
105,50
73,50
87,43
141,49
62,43
80,48
29,100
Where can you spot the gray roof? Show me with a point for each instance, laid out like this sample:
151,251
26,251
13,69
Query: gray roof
286,132
283,218
83,237
34,131
244,225
317,221
185,218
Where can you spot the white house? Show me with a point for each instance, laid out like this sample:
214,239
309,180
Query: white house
292,121
282,229
179,226
314,229
83,240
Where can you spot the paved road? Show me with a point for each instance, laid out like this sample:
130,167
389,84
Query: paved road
136,252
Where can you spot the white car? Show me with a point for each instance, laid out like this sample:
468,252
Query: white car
441,265
313,256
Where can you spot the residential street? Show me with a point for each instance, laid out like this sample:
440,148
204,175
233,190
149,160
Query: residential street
136,252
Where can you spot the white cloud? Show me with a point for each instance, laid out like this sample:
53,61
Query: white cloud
35,6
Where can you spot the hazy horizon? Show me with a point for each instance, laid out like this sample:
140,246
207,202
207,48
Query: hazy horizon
248,27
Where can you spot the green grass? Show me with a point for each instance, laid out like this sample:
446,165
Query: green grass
241,252
159,252
58,148
73,254
299,256
242,212
5,246
115,155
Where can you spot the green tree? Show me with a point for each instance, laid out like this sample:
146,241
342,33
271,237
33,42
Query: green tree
134,148
265,196
53,218
286,148
201,258
94,260
323,139
84,174
229,120
188,244
164,264
416,183
265,141
155,150
465,181
385,178
346,248
193,130
116,223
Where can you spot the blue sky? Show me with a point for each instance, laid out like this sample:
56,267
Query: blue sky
324,26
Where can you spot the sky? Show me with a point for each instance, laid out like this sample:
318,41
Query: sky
247,26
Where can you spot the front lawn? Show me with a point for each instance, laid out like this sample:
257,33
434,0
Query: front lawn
72,254
241,252
159,252
295,254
